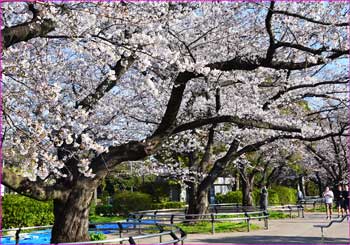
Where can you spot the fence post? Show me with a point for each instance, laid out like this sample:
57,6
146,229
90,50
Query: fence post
17,235
120,227
172,219
266,220
161,230
155,215
302,211
212,224
183,234
290,211
131,240
173,235
247,220
139,226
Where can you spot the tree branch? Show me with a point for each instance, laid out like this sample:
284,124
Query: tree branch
35,189
236,120
26,31
106,85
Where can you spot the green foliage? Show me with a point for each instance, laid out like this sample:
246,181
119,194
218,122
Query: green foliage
205,227
286,195
125,202
273,197
97,236
312,189
104,210
21,211
277,195
230,197
158,190
166,205
279,215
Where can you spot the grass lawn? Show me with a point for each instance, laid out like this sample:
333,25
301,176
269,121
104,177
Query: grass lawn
105,219
280,215
205,227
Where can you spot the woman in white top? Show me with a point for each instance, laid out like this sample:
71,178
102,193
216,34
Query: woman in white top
328,196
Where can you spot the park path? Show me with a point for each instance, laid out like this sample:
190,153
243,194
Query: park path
296,230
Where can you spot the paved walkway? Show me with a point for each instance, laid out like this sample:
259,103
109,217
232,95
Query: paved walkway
296,230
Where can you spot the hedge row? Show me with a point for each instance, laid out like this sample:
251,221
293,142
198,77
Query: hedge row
277,195
126,202
21,211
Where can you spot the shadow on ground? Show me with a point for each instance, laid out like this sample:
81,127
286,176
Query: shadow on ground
272,239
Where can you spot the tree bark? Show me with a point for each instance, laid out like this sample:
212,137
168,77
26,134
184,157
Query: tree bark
247,188
197,203
72,216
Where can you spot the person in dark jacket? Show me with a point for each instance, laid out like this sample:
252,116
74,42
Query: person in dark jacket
339,200
263,198
346,196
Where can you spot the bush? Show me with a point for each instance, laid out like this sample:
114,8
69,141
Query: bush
273,197
97,236
286,195
21,211
125,202
165,205
277,195
104,210
229,197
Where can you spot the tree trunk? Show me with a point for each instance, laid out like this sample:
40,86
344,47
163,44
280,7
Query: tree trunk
197,203
247,187
72,216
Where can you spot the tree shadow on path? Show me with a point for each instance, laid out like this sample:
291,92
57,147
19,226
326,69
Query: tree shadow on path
272,239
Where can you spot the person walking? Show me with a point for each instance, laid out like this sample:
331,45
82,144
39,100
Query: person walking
346,196
339,200
263,198
328,196
300,196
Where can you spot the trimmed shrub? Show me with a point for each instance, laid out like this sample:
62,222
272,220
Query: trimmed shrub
125,202
229,197
21,211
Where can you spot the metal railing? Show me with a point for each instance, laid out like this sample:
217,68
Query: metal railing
314,201
324,226
176,234
210,217
289,208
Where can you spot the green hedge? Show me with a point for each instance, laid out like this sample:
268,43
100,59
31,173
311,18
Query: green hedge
21,211
229,197
125,202
277,195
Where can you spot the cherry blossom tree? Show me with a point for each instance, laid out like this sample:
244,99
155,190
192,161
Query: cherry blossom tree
90,85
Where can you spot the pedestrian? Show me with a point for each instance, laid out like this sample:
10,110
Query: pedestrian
263,198
300,196
339,199
346,201
328,196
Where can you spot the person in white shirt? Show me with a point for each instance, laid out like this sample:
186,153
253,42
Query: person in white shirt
328,196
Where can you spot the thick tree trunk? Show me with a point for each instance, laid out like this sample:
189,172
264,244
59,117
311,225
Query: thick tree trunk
247,197
72,217
197,203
